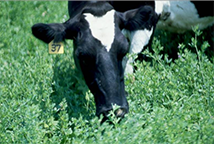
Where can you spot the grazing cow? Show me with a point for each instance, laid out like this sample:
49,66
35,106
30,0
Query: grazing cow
99,47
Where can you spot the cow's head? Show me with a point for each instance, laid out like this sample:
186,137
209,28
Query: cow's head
99,48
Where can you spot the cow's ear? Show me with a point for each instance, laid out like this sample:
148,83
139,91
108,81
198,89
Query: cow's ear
143,17
49,32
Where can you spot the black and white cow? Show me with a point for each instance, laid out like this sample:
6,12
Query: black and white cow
99,47
99,30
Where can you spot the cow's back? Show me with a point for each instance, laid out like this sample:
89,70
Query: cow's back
181,16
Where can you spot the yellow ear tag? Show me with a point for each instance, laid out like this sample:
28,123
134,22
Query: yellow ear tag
56,48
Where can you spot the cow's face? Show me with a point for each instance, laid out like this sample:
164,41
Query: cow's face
99,50
99,47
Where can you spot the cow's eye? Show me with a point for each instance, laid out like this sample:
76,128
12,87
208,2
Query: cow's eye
85,52
122,51
121,54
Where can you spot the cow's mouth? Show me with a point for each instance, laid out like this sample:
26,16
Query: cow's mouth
119,113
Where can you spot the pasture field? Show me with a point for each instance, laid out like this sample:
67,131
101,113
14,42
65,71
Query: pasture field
42,99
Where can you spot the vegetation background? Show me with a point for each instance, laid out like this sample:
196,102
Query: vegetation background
42,99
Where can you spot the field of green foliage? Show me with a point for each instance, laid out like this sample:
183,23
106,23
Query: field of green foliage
42,99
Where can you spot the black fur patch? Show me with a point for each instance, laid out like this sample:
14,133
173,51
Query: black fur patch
204,8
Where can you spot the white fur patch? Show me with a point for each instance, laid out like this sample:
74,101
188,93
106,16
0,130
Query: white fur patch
138,39
183,16
160,6
102,28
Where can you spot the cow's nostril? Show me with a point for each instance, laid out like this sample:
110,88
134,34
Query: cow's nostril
120,112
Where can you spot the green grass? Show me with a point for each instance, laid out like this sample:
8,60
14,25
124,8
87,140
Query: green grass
42,99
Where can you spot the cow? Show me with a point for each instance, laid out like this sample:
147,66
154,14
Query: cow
99,47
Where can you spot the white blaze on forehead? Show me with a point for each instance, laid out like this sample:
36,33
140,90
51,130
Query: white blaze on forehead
102,28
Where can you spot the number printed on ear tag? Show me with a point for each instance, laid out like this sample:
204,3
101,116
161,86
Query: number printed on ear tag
56,48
